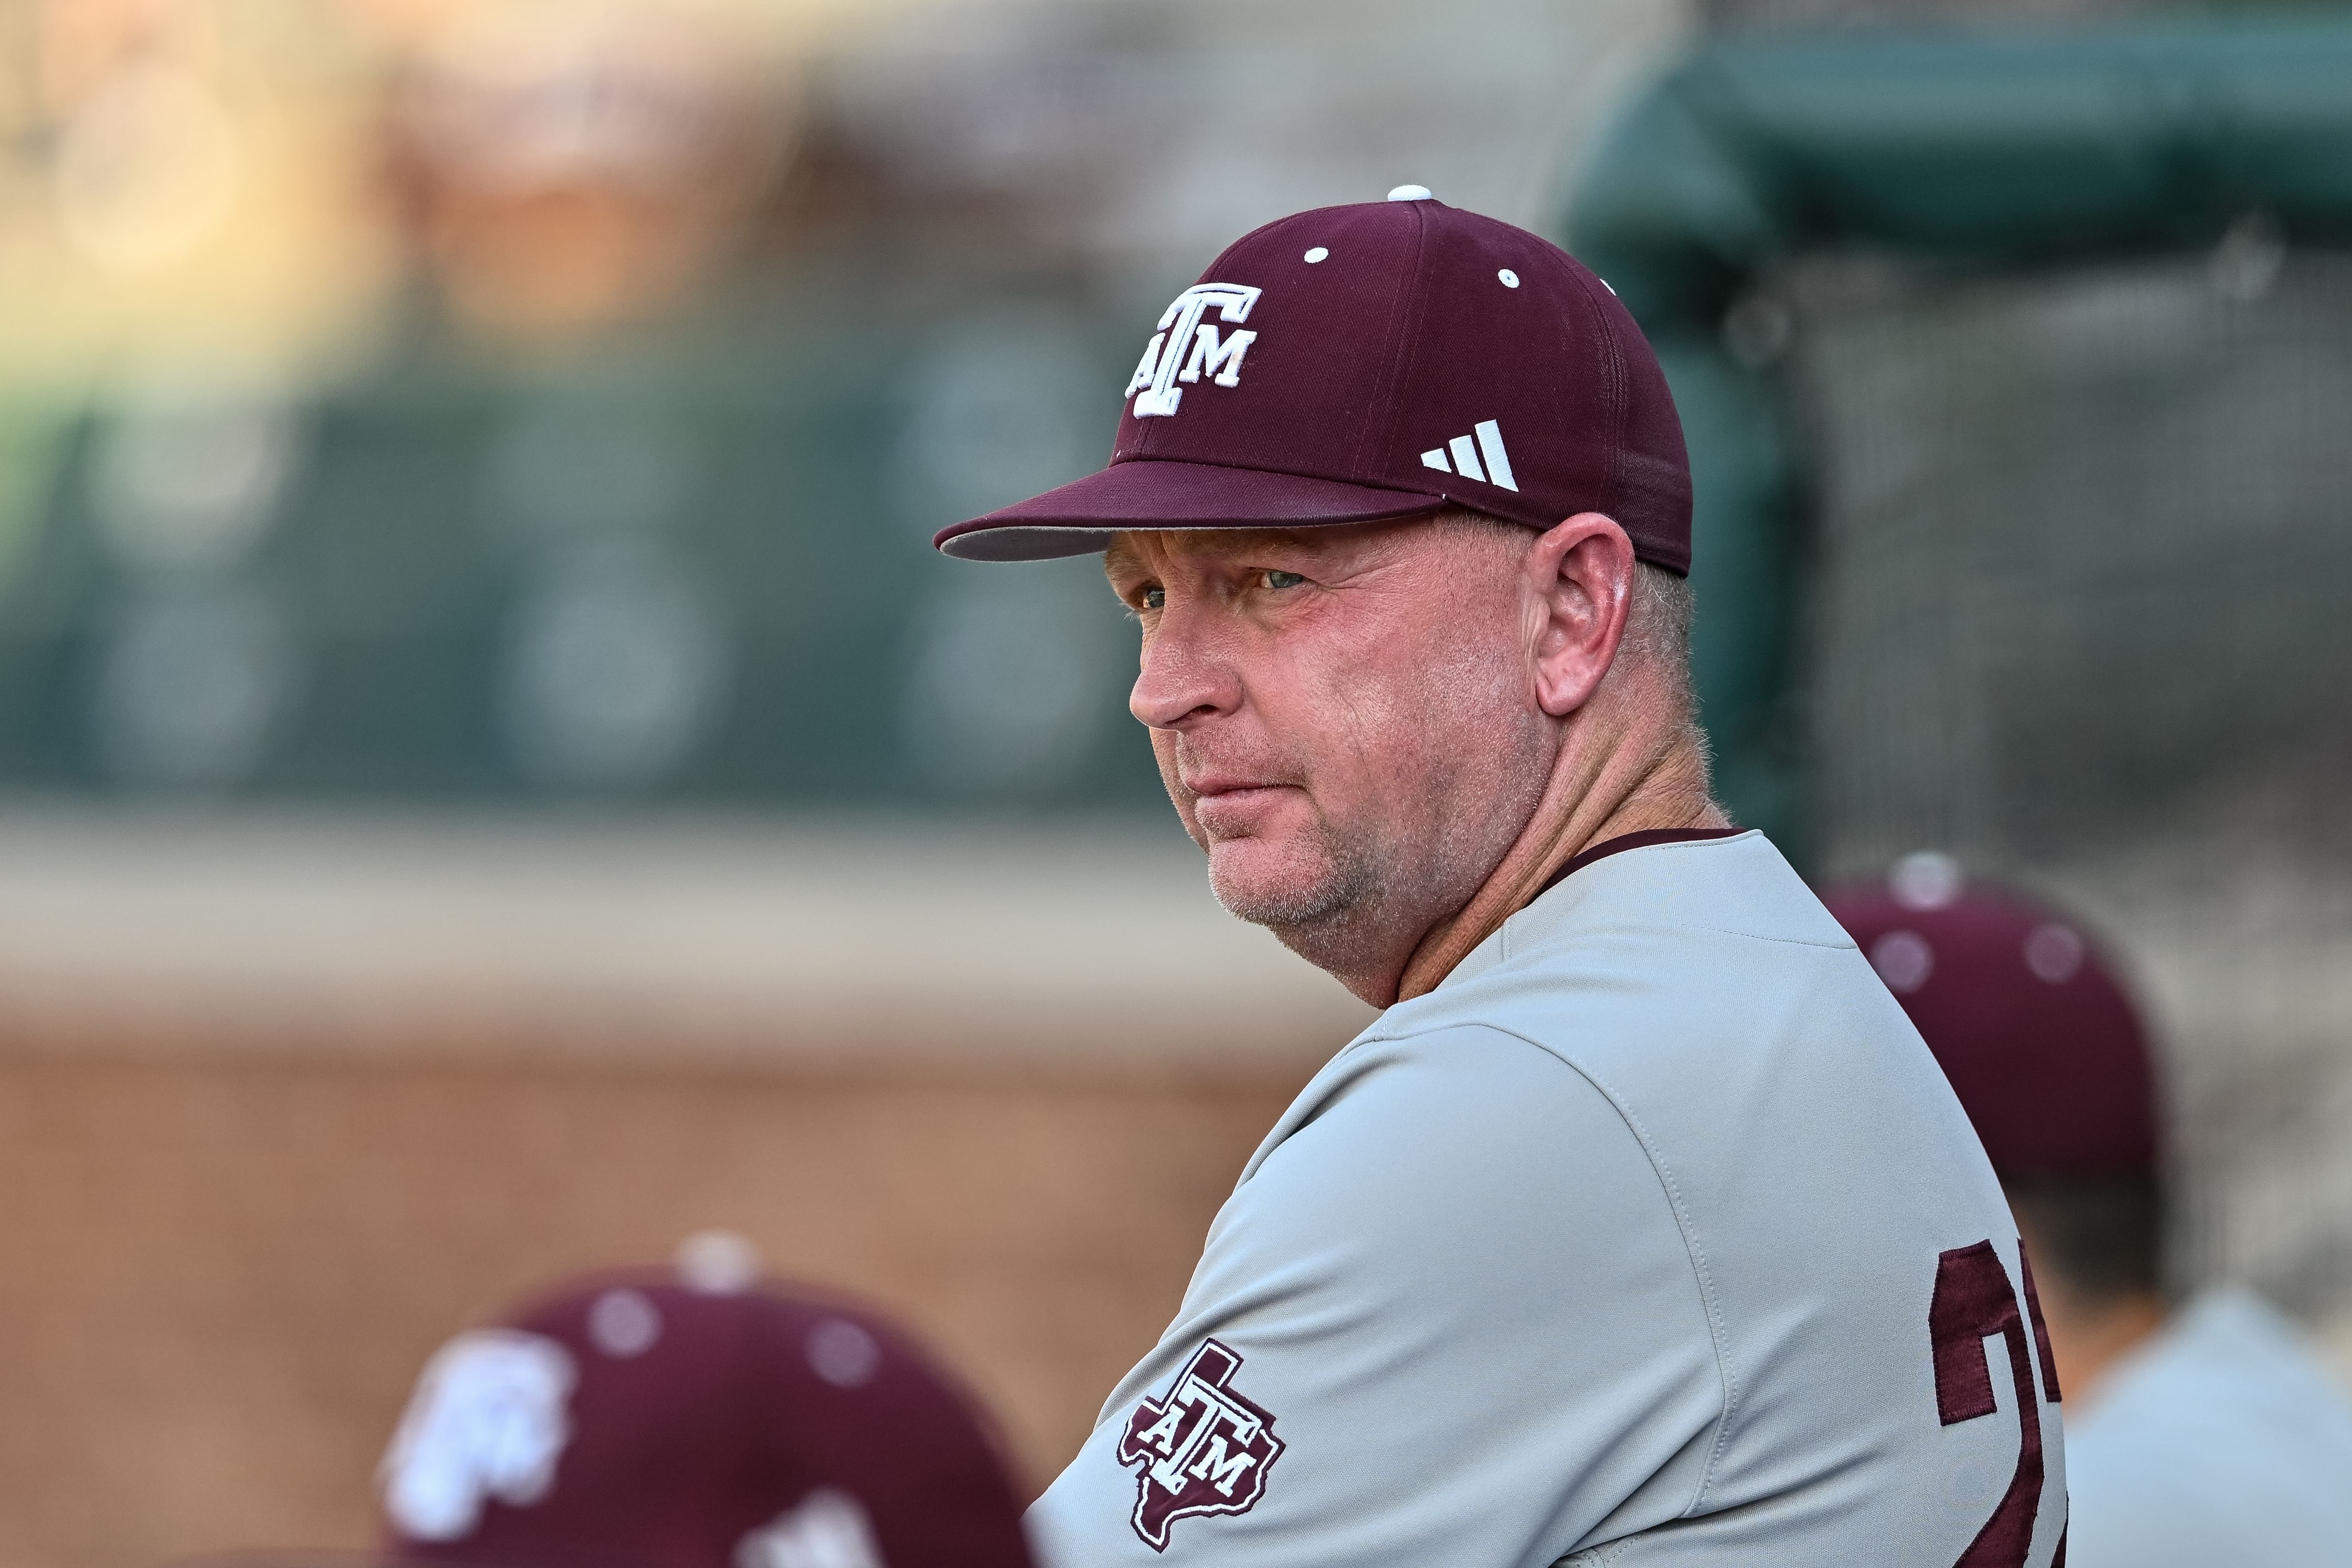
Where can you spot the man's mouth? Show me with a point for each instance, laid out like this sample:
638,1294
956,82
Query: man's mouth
1230,806
1220,786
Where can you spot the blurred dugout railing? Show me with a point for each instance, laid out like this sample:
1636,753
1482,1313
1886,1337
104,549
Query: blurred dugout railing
2017,374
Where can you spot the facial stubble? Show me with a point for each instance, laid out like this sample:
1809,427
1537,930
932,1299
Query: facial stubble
1405,872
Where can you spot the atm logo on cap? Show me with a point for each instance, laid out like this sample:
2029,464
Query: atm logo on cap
1187,348
1203,1448
488,1420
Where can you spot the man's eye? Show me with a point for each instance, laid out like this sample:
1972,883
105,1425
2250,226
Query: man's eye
1283,579
1155,599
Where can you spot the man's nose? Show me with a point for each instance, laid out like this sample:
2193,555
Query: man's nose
1186,676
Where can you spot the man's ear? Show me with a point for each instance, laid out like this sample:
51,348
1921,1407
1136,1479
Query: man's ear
1578,588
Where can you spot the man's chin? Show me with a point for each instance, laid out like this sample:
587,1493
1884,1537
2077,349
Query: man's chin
1275,884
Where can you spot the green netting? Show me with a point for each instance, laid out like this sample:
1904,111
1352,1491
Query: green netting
1971,151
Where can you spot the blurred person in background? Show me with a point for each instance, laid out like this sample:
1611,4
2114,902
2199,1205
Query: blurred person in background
2196,1432
699,1418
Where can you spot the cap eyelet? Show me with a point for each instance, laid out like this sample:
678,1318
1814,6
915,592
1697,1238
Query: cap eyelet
1318,253
1510,279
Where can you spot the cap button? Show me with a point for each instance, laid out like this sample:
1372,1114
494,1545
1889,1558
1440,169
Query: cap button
1412,194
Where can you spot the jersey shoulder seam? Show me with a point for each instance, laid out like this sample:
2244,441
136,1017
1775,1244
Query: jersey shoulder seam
1841,943
1704,1275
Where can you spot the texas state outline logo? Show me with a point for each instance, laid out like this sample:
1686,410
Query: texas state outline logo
1204,1446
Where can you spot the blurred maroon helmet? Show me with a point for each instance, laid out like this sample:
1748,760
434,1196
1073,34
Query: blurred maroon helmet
2042,1044
636,1419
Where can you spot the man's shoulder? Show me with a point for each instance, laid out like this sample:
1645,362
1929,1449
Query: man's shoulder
1660,962
1739,885
1703,994
1710,994
1462,1091
1453,1174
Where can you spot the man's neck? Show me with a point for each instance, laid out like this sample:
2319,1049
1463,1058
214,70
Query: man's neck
1671,794
1622,768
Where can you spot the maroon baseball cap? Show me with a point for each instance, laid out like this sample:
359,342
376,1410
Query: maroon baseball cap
641,1418
1376,362
2038,1037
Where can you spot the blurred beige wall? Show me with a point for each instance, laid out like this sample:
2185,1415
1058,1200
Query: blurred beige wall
283,1104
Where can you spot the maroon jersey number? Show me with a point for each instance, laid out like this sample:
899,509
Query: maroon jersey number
1973,1302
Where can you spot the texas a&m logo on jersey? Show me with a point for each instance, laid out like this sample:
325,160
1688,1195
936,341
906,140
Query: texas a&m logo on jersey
1187,348
1204,1449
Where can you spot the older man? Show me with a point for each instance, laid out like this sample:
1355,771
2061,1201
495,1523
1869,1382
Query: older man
1639,1228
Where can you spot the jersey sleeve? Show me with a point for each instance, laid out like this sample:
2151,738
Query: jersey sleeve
1449,1318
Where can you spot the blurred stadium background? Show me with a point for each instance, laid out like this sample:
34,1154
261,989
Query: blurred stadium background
493,778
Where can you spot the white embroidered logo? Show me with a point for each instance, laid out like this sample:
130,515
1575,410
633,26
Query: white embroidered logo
488,1420
827,1530
1186,347
1498,468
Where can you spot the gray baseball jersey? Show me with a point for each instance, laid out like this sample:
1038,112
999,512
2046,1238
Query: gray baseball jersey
1653,1237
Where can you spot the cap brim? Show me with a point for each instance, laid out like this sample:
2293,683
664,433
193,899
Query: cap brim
1080,518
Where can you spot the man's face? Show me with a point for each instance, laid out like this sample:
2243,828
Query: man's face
1344,717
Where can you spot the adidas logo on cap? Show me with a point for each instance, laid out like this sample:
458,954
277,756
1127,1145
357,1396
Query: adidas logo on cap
1497,468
